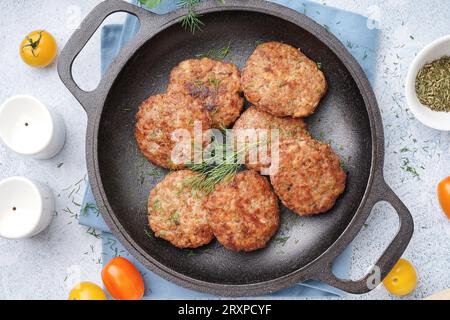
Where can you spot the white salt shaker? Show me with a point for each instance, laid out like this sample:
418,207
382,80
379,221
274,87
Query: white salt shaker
26,207
29,128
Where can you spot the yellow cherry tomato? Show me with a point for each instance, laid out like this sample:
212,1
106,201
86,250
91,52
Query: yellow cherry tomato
402,279
87,291
38,49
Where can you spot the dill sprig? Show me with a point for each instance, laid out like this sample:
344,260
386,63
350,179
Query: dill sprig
220,166
216,54
150,3
191,20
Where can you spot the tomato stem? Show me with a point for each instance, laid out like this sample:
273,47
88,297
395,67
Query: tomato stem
33,44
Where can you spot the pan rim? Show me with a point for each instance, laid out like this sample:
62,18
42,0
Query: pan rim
308,271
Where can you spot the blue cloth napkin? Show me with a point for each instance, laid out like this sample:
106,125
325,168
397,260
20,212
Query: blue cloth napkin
352,29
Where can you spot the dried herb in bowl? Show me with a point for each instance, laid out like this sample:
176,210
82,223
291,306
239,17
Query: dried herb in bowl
433,85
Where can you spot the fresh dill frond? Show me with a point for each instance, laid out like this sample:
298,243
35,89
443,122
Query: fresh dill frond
150,3
221,166
216,54
191,20
188,3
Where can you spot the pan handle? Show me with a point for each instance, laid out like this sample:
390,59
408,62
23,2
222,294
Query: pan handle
381,192
83,34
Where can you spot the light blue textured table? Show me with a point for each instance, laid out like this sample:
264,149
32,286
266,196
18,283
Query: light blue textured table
48,265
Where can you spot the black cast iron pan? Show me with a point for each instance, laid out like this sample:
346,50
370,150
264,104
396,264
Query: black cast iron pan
348,115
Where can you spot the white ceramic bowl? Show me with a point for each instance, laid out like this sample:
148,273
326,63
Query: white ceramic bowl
430,118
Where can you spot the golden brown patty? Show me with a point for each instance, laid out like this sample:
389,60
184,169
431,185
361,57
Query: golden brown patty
176,212
243,212
309,178
216,84
158,117
288,128
281,80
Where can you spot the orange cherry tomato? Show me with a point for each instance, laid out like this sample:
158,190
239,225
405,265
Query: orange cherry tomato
123,280
444,195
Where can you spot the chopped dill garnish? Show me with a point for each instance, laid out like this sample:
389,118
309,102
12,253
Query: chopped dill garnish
281,240
76,203
198,83
214,81
175,217
90,207
156,205
191,253
404,149
321,134
156,172
94,233
148,233
70,212
216,54
343,165
406,166
179,192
